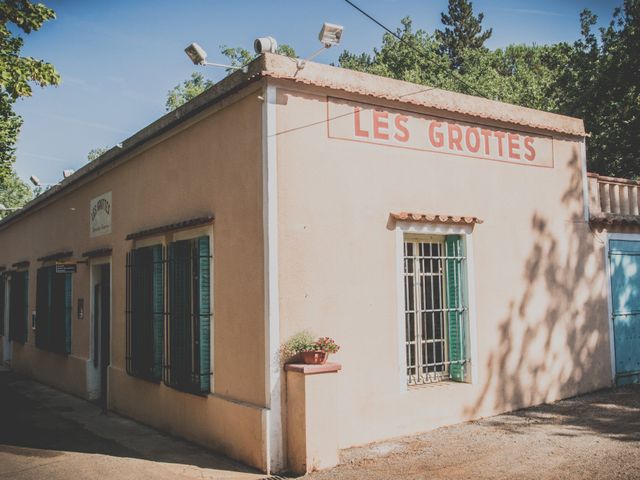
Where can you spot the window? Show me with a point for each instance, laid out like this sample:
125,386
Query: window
435,308
18,306
187,359
53,310
145,312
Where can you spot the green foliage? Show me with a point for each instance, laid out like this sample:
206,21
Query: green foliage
182,93
17,73
96,152
14,192
602,86
463,30
300,342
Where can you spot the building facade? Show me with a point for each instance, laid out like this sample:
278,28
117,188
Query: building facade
445,241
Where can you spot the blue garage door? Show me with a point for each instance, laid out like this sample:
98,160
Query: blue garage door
625,290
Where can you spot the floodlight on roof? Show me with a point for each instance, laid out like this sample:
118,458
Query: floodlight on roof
67,173
35,180
330,35
198,56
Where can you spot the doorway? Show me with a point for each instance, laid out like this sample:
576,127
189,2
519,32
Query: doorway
624,258
101,332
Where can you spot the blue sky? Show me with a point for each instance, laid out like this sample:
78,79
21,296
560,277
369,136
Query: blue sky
119,58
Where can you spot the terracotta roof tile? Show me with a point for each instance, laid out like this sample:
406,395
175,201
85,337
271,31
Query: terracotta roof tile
430,218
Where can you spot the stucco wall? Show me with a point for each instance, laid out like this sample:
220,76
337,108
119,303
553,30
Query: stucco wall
539,272
210,165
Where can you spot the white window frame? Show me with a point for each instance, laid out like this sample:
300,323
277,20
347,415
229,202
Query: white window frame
418,228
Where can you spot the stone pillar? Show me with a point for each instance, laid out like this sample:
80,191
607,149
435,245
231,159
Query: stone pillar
312,429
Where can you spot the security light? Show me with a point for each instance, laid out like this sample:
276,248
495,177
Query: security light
196,53
35,180
329,35
67,173
199,57
265,44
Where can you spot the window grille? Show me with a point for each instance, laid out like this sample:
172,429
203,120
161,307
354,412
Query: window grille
2,302
187,333
435,309
53,310
145,312
18,306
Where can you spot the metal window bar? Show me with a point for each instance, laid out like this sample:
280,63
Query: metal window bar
141,309
426,310
182,369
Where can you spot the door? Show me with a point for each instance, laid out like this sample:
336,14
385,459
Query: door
624,257
102,329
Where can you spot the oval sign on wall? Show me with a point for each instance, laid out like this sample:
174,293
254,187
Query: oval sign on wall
100,215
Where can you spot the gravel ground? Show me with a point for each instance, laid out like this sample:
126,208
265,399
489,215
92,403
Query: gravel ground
595,436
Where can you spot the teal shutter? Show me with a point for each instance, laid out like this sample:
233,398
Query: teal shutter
179,315
453,245
49,323
67,311
26,305
204,285
158,310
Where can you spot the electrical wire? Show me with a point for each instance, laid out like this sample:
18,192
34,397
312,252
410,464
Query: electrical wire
417,50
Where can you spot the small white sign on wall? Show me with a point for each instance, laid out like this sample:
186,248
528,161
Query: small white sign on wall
100,215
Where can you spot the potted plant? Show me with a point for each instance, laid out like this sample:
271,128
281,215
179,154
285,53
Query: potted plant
303,347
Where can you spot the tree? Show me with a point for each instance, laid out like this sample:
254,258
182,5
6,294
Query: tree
95,153
14,193
238,56
17,73
463,30
602,86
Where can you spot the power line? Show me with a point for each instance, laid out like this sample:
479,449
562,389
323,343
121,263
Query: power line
417,50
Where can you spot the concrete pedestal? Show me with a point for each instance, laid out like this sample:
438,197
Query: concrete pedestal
312,430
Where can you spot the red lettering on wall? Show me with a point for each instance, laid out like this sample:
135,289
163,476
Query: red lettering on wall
500,136
514,145
455,136
380,121
528,146
356,121
486,134
435,136
472,145
400,121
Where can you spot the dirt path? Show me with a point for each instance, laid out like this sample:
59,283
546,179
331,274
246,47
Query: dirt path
596,436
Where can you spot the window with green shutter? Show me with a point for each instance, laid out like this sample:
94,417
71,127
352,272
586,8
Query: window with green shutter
18,306
435,308
53,310
187,360
145,312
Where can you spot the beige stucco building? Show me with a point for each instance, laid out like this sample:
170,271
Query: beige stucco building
443,240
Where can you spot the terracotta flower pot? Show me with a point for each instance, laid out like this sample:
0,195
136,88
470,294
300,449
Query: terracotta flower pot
314,358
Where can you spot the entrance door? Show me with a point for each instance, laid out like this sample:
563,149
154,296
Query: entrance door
625,308
4,304
102,328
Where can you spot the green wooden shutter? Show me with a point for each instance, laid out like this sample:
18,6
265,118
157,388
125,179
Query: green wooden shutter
67,311
25,300
453,245
158,310
2,302
179,315
204,285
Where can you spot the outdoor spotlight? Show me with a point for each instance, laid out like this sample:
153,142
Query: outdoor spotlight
196,53
35,180
265,44
330,34
67,173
